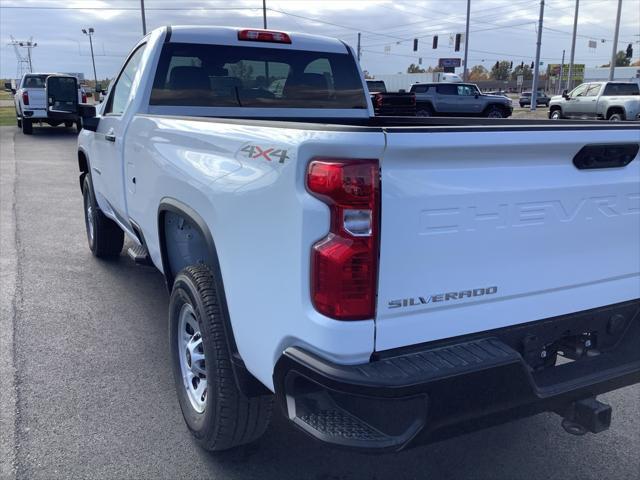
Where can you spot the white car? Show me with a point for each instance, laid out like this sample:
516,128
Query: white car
388,281
30,101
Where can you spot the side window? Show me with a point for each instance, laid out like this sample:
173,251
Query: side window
121,90
594,89
466,91
419,88
447,89
579,91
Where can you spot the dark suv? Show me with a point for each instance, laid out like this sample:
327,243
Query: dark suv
541,99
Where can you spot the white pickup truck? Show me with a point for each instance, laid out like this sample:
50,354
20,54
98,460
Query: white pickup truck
387,281
30,101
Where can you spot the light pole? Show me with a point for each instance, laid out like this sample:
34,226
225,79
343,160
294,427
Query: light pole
536,70
465,72
89,32
264,14
614,50
573,48
144,19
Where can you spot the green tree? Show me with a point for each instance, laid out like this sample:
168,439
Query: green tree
621,60
478,73
501,71
434,69
525,71
413,68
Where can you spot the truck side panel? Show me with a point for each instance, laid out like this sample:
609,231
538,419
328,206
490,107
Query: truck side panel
247,183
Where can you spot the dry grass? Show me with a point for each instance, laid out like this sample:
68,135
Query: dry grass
7,116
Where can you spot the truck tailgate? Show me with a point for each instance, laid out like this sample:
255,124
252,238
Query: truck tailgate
36,99
489,229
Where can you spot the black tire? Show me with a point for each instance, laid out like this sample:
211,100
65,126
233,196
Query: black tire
229,418
78,126
555,114
68,124
18,120
27,126
424,111
494,112
616,117
104,236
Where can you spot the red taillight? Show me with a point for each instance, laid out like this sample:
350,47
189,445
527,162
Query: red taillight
344,264
84,97
264,36
379,100
25,98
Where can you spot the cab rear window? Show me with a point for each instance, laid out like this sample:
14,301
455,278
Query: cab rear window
621,89
229,76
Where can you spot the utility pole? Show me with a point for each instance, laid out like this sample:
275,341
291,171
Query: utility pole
559,86
89,32
534,87
264,14
573,48
359,50
144,20
465,74
614,49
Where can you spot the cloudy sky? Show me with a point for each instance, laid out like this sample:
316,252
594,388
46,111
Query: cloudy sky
500,29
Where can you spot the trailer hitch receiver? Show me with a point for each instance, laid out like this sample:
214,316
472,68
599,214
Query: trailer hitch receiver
588,415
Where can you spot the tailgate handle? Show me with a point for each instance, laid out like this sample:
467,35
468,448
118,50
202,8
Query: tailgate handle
605,155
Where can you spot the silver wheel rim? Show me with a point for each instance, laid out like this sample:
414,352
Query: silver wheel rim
90,227
555,116
614,118
192,363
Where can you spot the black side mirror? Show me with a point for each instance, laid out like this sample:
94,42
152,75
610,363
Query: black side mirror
565,93
88,114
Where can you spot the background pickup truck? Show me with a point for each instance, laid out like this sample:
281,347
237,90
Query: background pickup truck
31,104
391,103
614,101
458,100
388,281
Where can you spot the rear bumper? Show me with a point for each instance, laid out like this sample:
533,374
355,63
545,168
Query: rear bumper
425,393
36,113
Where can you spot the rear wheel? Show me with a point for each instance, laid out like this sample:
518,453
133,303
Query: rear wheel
105,237
218,414
424,111
494,112
616,117
27,126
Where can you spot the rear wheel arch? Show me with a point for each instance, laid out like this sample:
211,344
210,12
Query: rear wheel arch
176,219
613,110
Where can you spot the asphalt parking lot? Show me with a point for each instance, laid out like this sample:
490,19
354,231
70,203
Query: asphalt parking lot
86,388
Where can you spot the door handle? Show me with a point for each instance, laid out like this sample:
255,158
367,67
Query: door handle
110,136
